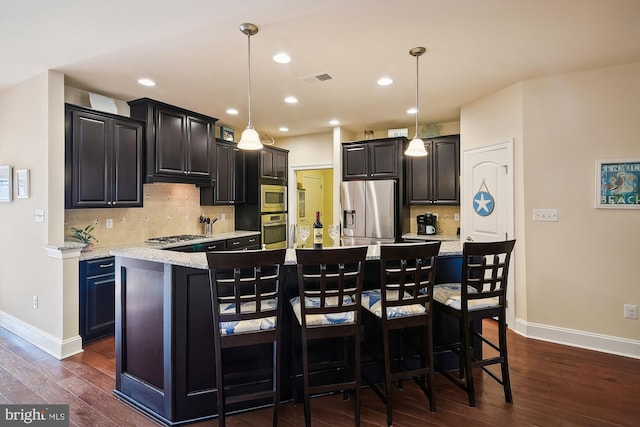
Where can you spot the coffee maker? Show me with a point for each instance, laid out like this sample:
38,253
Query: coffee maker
426,223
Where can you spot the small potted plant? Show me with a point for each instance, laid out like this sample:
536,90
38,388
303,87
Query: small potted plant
84,235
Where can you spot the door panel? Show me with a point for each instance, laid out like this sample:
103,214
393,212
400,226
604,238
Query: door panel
487,205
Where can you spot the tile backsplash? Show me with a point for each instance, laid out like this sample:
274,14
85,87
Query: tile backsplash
446,224
169,209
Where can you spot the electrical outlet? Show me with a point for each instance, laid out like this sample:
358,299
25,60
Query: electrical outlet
223,217
35,301
630,311
545,215
109,223
456,217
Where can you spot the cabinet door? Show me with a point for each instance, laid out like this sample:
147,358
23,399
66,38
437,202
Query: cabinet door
199,135
87,141
126,186
267,164
224,187
446,170
420,175
281,165
273,164
354,162
170,141
384,159
97,298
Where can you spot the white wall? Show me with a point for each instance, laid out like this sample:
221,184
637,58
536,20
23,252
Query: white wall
578,272
32,137
495,119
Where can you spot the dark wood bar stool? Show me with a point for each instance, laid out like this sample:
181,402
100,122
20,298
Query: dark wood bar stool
403,307
481,295
328,307
246,298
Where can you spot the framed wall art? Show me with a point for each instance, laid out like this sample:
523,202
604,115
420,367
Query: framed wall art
6,183
227,134
618,183
22,183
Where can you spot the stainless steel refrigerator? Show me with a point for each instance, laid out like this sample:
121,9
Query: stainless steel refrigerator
369,212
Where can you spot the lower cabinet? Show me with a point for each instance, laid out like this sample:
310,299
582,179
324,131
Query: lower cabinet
97,298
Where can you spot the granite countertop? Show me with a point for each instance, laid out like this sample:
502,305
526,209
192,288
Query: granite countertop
155,253
105,251
437,236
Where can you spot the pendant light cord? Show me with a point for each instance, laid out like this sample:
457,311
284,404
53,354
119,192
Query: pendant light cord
249,79
417,103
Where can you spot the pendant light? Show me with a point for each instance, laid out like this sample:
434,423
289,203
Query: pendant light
416,146
250,140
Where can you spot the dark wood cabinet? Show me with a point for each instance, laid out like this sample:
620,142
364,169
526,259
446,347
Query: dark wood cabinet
228,187
435,178
240,243
103,159
179,142
274,163
97,298
374,159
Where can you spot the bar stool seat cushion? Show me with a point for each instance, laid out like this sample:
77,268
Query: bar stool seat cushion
250,325
371,300
449,295
323,319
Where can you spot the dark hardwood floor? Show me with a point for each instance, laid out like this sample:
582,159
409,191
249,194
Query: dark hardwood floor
553,385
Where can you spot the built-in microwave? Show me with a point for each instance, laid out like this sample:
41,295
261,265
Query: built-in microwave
273,198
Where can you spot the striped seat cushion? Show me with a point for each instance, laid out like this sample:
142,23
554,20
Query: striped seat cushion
251,325
449,295
371,300
323,319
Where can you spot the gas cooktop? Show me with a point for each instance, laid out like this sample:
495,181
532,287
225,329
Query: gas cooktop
175,239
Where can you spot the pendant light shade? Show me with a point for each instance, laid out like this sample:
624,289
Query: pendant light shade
250,140
416,146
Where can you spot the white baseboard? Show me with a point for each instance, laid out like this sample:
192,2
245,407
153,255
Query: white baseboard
59,349
581,339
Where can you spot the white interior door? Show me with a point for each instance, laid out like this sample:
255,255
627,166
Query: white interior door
487,203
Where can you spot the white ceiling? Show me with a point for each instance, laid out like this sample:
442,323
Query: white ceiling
196,53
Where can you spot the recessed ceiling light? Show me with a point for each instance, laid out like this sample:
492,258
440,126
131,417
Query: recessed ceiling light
146,82
385,81
232,111
334,122
291,100
284,129
412,110
282,58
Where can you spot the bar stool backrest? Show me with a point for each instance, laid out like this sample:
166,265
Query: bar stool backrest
407,275
330,282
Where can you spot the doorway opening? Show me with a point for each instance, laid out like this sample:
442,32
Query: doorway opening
314,193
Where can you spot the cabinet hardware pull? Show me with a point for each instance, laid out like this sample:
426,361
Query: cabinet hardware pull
235,243
106,265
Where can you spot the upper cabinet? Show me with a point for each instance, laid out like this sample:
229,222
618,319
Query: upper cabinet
274,163
374,159
228,188
179,142
103,159
435,178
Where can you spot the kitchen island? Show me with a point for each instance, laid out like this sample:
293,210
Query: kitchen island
165,362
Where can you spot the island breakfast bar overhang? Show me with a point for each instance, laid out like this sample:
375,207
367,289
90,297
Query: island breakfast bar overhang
165,364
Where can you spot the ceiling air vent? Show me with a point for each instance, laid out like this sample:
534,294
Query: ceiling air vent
316,78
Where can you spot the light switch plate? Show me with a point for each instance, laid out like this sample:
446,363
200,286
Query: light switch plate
545,215
39,215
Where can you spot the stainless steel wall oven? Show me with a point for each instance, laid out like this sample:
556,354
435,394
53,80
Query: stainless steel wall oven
274,230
